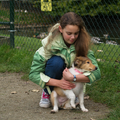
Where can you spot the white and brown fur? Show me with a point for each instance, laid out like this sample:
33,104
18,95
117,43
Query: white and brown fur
68,97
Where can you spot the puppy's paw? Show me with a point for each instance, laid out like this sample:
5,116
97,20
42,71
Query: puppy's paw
74,106
53,111
85,110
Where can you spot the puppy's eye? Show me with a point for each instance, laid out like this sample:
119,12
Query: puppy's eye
88,62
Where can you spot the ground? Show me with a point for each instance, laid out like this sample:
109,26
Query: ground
19,101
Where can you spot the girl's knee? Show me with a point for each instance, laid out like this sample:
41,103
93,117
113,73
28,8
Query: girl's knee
56,62
54,67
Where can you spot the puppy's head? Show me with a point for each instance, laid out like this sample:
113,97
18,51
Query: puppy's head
84,63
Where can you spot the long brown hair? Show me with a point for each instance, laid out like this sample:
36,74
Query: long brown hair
83,41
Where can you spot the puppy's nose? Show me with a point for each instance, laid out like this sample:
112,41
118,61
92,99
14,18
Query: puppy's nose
95,68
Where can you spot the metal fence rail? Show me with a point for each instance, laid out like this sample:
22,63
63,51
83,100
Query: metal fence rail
31,19
10,23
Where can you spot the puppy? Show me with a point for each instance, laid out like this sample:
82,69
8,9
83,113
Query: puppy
66,98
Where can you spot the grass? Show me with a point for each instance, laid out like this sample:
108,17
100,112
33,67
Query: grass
14,60
30,44
109,53
107,90
4,14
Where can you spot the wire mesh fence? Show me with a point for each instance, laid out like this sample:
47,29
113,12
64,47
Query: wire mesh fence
33,18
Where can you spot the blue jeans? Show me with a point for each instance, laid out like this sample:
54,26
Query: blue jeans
54,69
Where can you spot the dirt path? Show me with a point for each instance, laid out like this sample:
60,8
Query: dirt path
19,101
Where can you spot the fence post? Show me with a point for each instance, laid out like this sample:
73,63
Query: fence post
12,23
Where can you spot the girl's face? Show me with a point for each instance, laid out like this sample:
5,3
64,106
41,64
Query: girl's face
70,33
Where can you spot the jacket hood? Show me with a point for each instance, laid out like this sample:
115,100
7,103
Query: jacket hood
57,42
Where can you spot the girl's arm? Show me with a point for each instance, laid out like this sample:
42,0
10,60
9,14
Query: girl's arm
37,75
61,83
79,78
95,75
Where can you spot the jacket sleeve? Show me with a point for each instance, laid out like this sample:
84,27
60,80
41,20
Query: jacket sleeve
95,75
36,74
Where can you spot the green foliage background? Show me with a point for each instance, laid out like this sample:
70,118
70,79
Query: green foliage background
82,7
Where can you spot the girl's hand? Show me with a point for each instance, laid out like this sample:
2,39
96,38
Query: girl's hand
66,85
67,75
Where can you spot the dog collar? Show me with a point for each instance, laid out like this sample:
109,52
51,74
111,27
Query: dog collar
78,71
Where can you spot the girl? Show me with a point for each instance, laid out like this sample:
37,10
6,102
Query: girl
65,41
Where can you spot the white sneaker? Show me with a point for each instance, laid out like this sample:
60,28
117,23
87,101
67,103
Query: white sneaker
44,102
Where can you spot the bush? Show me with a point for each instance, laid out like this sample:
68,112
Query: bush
84,8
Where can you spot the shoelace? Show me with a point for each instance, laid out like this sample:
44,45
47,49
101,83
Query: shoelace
45,95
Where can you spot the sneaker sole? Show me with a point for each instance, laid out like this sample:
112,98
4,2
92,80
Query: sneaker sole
44,105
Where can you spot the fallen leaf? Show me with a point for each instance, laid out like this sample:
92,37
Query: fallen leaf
86,97
13,92
35,90
92,119
100,50
98,60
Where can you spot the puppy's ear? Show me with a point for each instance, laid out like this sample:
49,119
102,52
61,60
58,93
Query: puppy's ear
77,62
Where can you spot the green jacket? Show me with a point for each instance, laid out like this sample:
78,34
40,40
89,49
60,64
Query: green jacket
58,48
